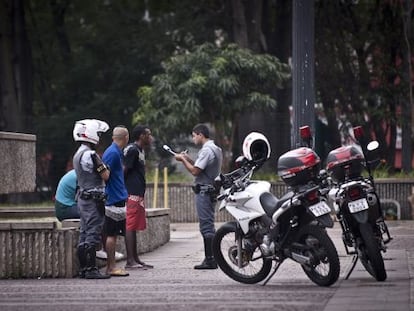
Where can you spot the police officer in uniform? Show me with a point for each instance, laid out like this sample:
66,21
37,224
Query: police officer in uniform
91,173
205,168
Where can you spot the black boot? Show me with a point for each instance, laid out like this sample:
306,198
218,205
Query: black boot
92,271
82,260
209,262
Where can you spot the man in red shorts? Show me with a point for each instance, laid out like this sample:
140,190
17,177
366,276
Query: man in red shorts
134,172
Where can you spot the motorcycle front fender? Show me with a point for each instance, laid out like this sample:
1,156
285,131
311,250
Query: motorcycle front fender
243,217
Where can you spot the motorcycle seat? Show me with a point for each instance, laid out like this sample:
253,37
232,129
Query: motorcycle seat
269,203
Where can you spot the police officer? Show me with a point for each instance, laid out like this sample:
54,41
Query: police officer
91,173
206,168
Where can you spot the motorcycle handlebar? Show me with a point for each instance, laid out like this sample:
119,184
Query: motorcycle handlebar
238,176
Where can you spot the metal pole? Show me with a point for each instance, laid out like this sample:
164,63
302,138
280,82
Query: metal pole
303,97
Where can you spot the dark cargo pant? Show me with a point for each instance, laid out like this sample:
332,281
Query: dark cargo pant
205,212
92,219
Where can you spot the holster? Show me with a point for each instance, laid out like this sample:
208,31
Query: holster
206,189
93,195
196,188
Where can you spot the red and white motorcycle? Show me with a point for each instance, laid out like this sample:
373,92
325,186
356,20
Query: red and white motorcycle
357,204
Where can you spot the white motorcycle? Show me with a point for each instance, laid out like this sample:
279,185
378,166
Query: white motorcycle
267,229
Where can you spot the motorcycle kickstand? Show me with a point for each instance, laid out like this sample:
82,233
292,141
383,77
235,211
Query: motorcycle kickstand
273,273
354,261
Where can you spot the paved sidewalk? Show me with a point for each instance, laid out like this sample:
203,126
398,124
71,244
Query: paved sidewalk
174,285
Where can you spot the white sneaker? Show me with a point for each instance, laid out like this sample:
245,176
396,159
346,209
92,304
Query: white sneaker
118,256
101,254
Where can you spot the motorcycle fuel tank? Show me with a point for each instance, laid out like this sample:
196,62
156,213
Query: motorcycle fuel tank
344,162
298,166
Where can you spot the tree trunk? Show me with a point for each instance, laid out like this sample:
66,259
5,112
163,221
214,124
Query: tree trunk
240,34
254,27
15,69
9,109
58,10
407,103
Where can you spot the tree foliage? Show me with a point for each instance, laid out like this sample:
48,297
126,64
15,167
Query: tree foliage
210,84
90,56
364,70
63,60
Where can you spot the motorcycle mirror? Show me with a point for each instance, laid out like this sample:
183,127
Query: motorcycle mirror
239,161
305,132
218,182
372,156
306,135
373,145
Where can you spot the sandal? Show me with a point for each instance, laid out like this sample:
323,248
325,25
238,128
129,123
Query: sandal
135,266
119,272
146,265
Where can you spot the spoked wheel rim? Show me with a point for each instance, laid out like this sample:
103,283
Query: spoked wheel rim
320,261
252,268
250,262
324,265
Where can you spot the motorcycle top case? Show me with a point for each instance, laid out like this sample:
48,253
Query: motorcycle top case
344,162
298,166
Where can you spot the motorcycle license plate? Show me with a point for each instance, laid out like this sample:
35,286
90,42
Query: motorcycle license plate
320,209
358,205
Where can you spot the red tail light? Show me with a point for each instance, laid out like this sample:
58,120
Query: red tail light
312,196
355,193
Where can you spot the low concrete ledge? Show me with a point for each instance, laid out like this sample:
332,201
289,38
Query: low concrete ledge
45,249
157,232
41,225
37,250
27,212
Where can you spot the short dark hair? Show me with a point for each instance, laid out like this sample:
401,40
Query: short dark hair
138,130
202,129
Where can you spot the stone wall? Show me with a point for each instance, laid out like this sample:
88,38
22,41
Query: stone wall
18,162
43,249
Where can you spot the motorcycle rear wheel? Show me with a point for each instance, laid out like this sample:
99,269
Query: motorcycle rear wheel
225,252
324,271
371,257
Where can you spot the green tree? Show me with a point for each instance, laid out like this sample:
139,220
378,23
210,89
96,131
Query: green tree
364,69
16,73
89,57
210,84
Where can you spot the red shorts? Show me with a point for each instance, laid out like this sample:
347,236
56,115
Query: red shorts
135,213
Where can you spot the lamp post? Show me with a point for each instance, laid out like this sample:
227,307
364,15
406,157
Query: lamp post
303,97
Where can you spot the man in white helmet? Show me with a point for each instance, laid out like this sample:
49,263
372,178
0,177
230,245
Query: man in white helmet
91,174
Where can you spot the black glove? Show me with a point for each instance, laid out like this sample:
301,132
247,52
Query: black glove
97,162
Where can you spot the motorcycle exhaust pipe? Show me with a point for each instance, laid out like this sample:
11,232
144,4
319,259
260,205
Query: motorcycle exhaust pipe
303,260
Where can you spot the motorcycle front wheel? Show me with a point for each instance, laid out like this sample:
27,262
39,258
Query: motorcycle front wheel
251,268
324,267
370,253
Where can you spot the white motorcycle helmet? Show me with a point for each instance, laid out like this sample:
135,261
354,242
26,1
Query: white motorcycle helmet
256,147
89,130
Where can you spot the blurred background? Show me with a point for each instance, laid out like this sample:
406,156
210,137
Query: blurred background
172,64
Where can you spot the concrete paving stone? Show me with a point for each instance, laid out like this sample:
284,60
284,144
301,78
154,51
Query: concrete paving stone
174,285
